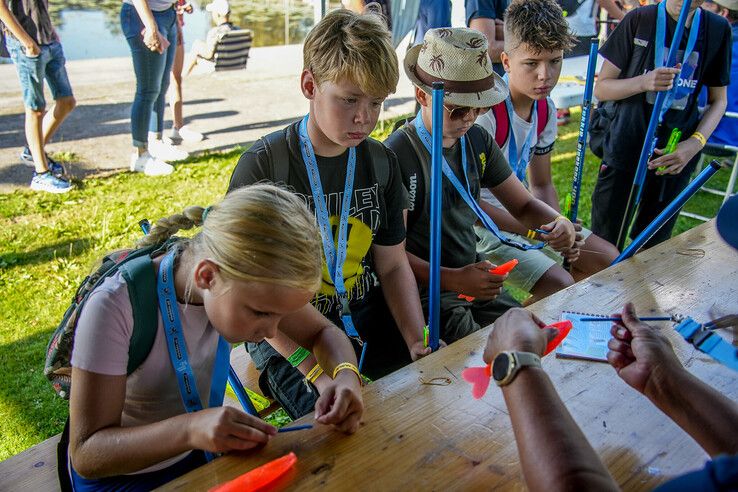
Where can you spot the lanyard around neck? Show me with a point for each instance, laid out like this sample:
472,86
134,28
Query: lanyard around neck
335,256
465,193
658,51
519,165
177,345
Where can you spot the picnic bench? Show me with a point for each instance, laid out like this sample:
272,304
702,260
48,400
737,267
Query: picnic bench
423,431
35,468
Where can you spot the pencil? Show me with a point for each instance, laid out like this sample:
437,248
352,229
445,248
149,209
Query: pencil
295,428
647,318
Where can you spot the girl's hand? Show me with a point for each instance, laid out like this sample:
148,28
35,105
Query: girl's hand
561,235
221,429
674,163
341,404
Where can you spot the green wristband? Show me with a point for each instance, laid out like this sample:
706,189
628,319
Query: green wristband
298,356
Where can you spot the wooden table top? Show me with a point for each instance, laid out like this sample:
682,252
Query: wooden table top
417,436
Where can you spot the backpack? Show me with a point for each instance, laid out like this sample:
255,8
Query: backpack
278,154
502,128
136,268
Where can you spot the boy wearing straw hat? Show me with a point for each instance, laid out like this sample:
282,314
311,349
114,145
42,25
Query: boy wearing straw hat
353,184
458,57
524,126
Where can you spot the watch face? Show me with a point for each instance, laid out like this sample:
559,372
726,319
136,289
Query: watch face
500,367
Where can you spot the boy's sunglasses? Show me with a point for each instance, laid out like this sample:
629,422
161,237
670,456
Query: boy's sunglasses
460,112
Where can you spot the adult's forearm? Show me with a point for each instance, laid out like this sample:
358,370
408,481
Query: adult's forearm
7,18
145,13
708,416
554,454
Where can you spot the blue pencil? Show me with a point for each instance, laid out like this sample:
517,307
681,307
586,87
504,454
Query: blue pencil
647,318
295,428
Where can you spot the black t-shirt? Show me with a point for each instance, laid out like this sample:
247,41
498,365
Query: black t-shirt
458,241
631,48
375,215
33,16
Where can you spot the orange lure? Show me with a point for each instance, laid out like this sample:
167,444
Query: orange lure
500,270
260,477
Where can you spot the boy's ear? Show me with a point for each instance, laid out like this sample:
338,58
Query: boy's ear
422,98
505,60
206,274
307,84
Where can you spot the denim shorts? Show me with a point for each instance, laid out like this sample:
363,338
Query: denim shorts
32,70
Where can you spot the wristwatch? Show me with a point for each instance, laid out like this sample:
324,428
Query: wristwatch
507,364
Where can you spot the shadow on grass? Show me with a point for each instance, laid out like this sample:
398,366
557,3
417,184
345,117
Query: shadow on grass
43,254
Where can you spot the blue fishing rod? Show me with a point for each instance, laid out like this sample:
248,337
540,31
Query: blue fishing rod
572,200
434,283
649,143
238,389
668,212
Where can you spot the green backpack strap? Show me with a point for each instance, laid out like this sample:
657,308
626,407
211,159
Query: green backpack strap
140,278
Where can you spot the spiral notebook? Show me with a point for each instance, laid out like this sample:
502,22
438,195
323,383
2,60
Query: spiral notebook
587,339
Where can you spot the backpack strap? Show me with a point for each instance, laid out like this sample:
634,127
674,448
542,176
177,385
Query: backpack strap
421,154
141,282
502,123
542,119
380,162
278,154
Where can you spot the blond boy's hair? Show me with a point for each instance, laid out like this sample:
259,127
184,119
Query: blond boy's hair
258,233
539,24
355,47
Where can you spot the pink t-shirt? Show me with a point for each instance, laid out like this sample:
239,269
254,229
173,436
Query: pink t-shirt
101,345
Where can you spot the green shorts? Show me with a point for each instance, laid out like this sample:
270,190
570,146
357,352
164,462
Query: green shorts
532,263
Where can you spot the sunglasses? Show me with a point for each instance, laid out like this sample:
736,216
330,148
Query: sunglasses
460,112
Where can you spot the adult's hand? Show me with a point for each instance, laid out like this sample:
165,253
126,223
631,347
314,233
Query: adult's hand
518,330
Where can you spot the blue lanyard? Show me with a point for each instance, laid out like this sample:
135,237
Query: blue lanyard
178,347
465,193
709,342
658,52
334,256
520,165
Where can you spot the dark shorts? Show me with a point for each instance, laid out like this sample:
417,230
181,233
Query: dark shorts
48,65
610,197
486,9
460,318
386,352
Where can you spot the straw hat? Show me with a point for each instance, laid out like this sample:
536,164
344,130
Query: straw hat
459,58
728,4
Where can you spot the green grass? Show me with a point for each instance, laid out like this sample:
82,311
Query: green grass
48,243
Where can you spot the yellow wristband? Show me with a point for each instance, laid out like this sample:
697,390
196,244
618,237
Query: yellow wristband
700,138
350,367
531,234
314,373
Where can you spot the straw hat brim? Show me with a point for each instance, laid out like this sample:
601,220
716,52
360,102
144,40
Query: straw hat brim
485,99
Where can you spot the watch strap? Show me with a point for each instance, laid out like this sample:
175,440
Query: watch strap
526,359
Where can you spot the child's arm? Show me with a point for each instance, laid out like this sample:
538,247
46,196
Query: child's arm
717,98
540,181
534,213
340,403
100,447
503,219
7,18
401,293
472,280
610,88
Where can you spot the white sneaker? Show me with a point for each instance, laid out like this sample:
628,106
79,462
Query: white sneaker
165,152
149,165
184,134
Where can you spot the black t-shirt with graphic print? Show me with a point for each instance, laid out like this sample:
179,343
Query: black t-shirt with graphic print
375,216
631,48
458,240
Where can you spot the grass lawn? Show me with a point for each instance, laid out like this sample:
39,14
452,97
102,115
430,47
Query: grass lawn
48,243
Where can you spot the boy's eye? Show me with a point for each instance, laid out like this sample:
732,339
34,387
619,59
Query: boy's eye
376,104
349,100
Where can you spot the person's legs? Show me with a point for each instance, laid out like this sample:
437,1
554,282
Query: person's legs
61,89
175,95
609,201
596,255
167,24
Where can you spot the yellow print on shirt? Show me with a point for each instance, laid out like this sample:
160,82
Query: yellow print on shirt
359,240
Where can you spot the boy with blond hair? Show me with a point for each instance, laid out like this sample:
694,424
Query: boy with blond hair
353,184
458,57
524,126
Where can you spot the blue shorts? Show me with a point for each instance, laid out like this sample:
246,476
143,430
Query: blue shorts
32,71
432,14
486,9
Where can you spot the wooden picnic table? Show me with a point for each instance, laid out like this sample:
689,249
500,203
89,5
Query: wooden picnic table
420,433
